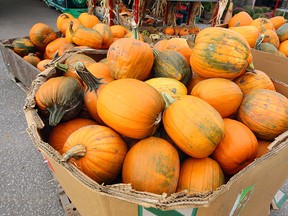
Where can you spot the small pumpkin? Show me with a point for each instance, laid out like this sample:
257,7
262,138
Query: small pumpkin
271,37
152,165
240,19
88,20
283,48
61,19
200,175
68,32
32,59
184,31
61,98
169,30
41,35
237,149
42,65
262,24
277,21
97,151
106,33
282,32
118,31
22,46
53,47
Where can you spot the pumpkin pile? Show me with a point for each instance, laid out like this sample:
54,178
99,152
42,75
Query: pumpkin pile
268,35
164,119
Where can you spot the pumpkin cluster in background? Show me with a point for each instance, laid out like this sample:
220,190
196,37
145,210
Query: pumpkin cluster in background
265,34
164,126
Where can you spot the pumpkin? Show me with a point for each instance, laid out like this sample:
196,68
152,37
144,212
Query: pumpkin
43,64
88,20
68,33
22,46
97,151
130,58
161,45
265,112
53,47
283,48
262,24
222,94
277,21
237,149
130,35
282,32
32,59
118,31
250,33
240,19
180,45
202,175
196,78
171,86
194,125
41,35
61,19
65,47
219,52
184,31
62,131
169,30
267,47
271,37
256,80
134,114
106,33
194,30
170,63
262,148
152,165
61,98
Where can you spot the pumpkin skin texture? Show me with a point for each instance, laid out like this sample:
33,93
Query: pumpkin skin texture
282,32
219,52
61,98
53,46
106,34
130,58
240,19
42,64
237,149
41,35
200,175
277,21
262,148
180,45
88,20
104,149
283,48
160,45
250,33
222,94
118,31
265,112
32,59
152,165
170,63
262,24
134,114
23,46
196,78
256,80
272,37
62,131
194,125
61,21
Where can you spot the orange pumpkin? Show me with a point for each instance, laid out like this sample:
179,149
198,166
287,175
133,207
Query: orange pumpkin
262,24
271,37
180,45
68,33
200,175
62,18
262,148
118,31
97,151
53,47
196,78
42,64
250,33
169,30
41,35
88,20
130,35
283,48
106,34
194,125
184,31
65,47
277,21
256,80
32,59
240,19
161,45
222,94
134,114
152,165
265,112
237,149
62,131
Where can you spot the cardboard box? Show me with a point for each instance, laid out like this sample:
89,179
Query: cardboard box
249,192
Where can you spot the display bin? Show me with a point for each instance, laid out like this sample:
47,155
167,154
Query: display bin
249,192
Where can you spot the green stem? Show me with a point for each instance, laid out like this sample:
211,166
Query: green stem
62,67
135,33
56,114
168,99
10,46
76,152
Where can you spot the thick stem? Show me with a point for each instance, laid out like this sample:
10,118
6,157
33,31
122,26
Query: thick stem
56,114
76,152
62,67
168,99
71,29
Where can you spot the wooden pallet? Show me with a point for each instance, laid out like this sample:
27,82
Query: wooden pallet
68,206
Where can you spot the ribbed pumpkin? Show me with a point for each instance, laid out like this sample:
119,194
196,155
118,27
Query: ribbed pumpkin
130,35
118,31
219,52
106,33
43,64
88,20
237,149
282,32
180,45
194,125
170,63
265,112
250,33
130,58
200,175
222,94
152,165
277,21
97,151
256,80
68,33
53,46
61,19
62,131
240,19
171,86
161,45
262,23
283,48
32,59
271,38
131,107
22,46
41,34
262,148
60,98
267,47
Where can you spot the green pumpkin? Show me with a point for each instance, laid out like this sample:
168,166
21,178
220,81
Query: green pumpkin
23,46
171,64
282,32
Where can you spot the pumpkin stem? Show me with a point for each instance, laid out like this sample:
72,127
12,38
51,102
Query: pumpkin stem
168,99
90,81
251,68
56,114
62,67
10,46
158,119
190,43
260,40
76,152
71,29
155,51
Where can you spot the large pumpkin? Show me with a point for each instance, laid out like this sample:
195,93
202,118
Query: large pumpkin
222,94
265,112
131,107
97,150
237,149
152,165
60,98
41,35
194,125
130,58
240,19
219,52
250,33
200,175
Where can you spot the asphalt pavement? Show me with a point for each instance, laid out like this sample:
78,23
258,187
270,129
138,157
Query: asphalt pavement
27,186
